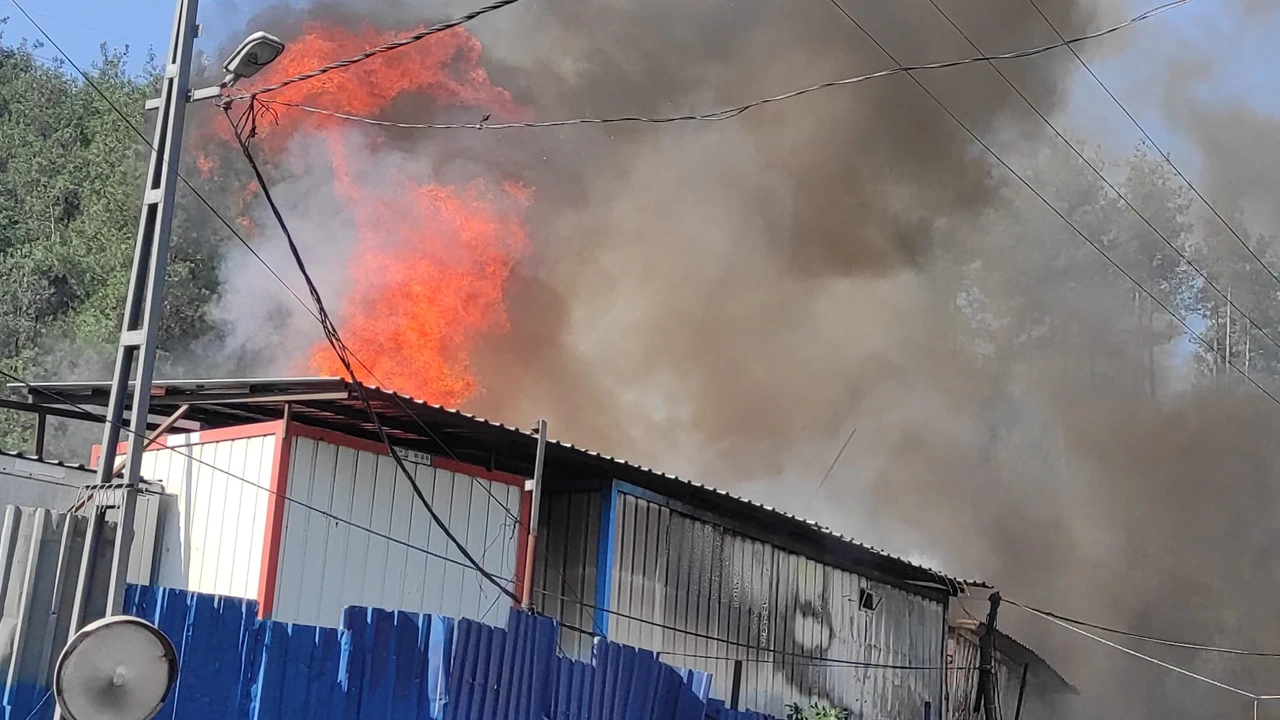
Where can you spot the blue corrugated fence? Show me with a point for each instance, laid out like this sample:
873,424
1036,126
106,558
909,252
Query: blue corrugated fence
383,665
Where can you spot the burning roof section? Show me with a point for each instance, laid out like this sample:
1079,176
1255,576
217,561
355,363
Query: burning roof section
334,404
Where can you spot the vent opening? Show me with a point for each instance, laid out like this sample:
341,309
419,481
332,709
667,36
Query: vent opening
868,600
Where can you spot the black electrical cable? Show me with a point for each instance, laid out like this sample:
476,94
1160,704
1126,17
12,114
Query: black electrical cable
1146,638
725,113
244,131
735,643
388,47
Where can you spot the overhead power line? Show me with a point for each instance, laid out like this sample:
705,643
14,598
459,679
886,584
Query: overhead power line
1149,638
731,112
1106,181
1148,658
1156,146
386,47
1061,215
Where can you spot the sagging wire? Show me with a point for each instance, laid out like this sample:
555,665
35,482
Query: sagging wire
245,129
1148,658
385,48
717,115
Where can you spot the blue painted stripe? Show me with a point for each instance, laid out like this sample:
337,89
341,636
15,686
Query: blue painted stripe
604,561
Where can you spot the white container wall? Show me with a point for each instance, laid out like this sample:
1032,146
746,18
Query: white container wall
327,564
701,578
215,542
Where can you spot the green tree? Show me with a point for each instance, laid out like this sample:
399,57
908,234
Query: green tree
70,186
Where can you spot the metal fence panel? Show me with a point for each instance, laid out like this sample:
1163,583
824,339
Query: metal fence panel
42,553
382,664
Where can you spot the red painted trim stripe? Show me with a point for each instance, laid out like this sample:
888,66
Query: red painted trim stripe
270,569
236,432
498,476
336,438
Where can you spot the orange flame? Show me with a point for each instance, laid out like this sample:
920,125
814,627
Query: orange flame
431,261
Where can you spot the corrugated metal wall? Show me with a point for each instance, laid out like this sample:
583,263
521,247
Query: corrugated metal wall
37,591
388,665
214,543
699,577
564,576
35,483
327,565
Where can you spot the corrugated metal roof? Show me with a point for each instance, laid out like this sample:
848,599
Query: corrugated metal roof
334,403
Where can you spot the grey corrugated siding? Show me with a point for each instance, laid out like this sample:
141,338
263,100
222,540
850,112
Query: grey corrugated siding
564,576
682,572
35,602
35,483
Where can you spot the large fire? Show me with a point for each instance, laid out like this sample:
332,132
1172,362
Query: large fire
431,261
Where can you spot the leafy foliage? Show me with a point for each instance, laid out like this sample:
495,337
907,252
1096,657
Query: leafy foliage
70,186
815,711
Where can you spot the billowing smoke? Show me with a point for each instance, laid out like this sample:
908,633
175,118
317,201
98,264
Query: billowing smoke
727,300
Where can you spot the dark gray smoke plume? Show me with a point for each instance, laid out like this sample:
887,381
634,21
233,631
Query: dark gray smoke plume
727,300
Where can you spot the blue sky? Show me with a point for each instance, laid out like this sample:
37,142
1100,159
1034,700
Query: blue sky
79,26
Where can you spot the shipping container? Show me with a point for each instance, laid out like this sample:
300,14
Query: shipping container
309,521
772,626
779,609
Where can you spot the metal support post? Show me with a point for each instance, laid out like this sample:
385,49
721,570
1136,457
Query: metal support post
987,676
535,505
42,424
143,306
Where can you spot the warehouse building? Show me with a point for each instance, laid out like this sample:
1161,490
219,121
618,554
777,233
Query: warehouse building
284,494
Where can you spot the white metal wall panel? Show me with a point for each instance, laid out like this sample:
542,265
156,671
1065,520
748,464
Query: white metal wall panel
327,564
214,544
696,576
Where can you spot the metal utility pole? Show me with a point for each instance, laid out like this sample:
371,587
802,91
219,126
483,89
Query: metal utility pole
136,356
987,677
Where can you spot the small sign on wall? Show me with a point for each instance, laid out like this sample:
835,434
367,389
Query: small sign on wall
413,456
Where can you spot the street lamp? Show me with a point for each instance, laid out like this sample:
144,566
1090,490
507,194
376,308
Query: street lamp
144,303
256,52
